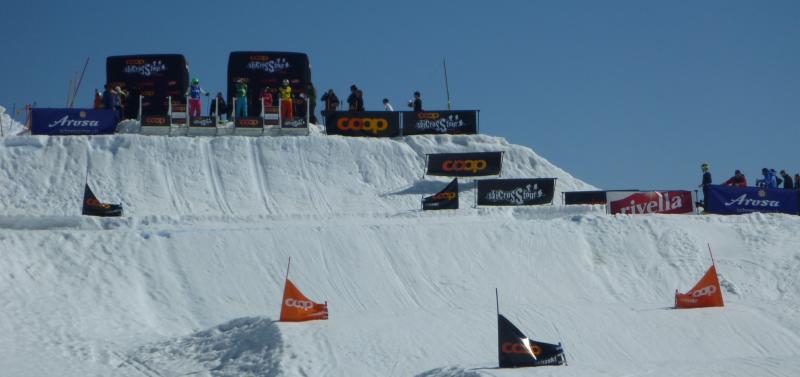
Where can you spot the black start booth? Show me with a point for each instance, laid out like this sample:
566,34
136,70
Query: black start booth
260,69
154,77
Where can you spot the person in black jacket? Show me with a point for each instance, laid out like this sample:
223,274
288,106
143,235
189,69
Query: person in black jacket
705,183
787,180
223,107
416,103
331,103
352,99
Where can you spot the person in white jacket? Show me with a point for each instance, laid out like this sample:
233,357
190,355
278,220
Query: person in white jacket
386,105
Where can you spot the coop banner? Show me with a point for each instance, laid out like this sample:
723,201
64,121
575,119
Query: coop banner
45,121
728,200
465,164
367,123
516,192
440,122
154,77
632,202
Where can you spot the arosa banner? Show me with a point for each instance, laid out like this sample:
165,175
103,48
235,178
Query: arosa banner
445,199
440,122
640,202
516,192
367,123
729,200
155,77
72,121
465,164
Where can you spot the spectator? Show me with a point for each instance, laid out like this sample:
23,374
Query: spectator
331,102
705,183
266,97
241,99
311,97
386,105
797,181
787,180
98,99
195,102
769,180
352,99
110,101
778,180
218,102
287,111
737,180
360,100
120,103
416,103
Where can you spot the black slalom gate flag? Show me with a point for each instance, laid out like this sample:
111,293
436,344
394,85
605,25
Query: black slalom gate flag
93,207
445,199
517,350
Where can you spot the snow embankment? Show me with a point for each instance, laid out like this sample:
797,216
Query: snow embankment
10,127
186,282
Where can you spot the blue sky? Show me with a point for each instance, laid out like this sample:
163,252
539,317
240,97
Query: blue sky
622,94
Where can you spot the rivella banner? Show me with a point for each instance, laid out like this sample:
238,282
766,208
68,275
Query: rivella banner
46,121
465,164
729,200
641,202
440,122
367,123
516,192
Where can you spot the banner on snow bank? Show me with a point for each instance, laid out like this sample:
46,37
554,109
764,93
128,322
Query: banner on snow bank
588,197
631,202
367,123
516,192
445,199
465,164
729,200
440,122
72,121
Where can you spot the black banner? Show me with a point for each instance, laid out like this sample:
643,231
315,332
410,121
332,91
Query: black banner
445,199
203,122
465,164
584,197
367,123
93,207
155,77
516,192
155,121
517,350
261,69
440,122
250,122
297,122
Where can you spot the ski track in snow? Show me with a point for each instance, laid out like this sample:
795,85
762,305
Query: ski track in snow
186,282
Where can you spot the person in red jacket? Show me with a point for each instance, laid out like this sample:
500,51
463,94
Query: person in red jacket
737,180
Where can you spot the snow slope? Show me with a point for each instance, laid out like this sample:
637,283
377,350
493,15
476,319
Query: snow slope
189,281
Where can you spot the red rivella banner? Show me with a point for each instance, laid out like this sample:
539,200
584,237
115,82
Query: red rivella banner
632,202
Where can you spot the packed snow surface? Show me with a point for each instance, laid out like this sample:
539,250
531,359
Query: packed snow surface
188,282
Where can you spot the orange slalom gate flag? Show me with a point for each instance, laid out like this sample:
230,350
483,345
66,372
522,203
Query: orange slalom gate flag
706,293
296,307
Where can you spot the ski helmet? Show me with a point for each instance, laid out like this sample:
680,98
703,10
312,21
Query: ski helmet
704,167
195,81
285,81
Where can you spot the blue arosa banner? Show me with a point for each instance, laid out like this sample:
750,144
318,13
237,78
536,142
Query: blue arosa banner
72,122
729,200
